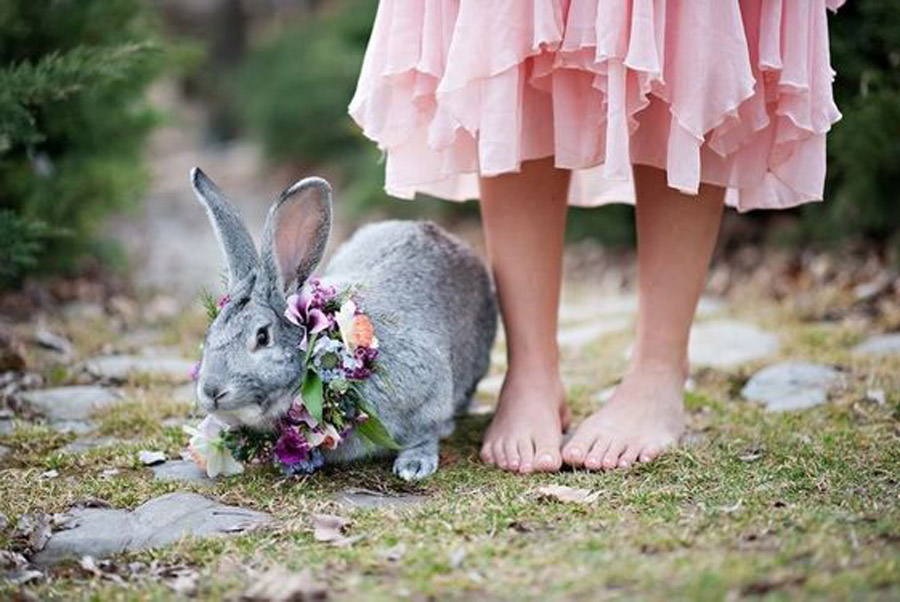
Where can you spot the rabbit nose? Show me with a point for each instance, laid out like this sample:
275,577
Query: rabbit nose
214,392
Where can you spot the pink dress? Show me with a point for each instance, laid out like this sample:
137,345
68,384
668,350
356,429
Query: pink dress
730,92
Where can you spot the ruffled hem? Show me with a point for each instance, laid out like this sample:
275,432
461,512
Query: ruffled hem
737,95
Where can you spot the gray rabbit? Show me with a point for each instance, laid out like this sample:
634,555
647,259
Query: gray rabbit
429,297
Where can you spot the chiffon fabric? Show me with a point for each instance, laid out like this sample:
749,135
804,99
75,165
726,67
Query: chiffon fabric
736,93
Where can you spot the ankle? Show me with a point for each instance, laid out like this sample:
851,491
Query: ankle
674,367
538,372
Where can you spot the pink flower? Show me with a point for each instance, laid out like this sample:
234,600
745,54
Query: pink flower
300,312
300,415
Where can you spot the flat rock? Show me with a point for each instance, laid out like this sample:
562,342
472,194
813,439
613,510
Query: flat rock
7,426
161,521
879,345
120,367
724,343
791,385
76,403
181,470
366,498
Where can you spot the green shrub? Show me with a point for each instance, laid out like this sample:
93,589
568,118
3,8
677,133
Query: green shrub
864,148
72,125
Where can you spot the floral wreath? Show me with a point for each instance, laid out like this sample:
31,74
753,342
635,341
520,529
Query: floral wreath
340,351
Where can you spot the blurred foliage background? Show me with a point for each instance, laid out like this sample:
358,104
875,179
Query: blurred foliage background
74,78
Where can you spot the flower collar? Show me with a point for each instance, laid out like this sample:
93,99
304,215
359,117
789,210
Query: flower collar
340,351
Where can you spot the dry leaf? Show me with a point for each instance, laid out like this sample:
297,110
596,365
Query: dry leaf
182,580
33,530
569,495
332,529
395,553
876,396
457,557
150,458
281,585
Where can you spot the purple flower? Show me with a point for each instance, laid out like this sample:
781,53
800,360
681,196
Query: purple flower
298,414
303,311
222,301
291,446
365,357
195,372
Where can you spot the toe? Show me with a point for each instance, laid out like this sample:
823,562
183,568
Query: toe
593,460
526,456
511,451
487,453
575,451
499,454
649,453
547,454
629,456
611,457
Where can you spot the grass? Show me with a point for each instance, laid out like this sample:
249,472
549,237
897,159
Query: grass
780,506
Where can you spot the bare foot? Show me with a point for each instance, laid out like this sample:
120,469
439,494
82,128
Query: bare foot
526,432
644,417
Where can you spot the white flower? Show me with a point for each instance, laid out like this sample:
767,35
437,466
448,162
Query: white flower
344,318
207,448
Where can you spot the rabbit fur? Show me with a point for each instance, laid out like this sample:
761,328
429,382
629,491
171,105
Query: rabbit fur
429,297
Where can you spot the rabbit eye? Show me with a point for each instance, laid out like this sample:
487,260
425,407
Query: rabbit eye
262,337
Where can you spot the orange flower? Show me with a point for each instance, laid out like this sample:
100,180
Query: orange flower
363,333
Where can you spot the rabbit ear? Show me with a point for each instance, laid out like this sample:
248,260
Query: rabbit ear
236,242
297,230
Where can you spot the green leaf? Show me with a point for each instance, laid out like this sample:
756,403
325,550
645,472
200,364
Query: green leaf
373,430
313,395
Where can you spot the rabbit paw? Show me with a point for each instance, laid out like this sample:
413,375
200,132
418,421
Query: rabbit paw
416,463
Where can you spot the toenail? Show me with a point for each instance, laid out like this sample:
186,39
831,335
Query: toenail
526,467
575,452
545,459
623,464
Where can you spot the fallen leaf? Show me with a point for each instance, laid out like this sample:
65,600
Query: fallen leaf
876,396
395,553
182,580
752,455
520,527
733,508
457,557
151,458
328,528
281,585
568,495
52,341
33,531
